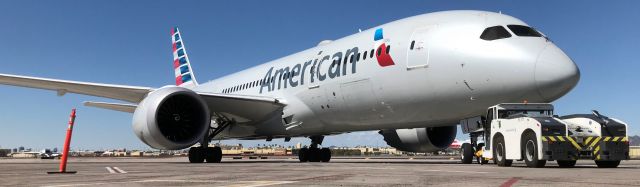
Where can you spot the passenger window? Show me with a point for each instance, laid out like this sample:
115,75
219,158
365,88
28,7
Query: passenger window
494,33
364,56
371,54
379,51
388,49
412,44
522,30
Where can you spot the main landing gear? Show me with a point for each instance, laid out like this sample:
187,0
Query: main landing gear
204,152
313,153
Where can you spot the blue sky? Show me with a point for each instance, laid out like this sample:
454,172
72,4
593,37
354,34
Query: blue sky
127,42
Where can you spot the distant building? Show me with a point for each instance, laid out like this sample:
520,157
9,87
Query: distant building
4,152
25,155
20,149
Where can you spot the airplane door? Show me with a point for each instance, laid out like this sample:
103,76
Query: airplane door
418,53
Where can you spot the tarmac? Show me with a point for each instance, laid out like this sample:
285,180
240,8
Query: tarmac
287,171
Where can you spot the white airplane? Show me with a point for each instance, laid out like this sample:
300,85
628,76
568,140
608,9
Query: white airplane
413,79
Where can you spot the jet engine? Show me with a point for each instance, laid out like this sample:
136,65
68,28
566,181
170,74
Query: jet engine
171,118
420,140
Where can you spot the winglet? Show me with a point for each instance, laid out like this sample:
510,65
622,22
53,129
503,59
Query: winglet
181,64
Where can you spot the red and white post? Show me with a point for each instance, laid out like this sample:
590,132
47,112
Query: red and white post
67,142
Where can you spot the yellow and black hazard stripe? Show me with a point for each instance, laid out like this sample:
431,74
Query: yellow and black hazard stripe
596,150
553,138
591,141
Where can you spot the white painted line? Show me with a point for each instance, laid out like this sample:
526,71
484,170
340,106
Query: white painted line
178,180
110,170
119,170
251,183
260,183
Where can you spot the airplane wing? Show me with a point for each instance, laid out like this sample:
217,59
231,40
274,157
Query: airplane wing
231,106
132,94
242,108
122,107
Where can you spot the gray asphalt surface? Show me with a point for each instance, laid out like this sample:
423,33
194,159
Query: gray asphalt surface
288,172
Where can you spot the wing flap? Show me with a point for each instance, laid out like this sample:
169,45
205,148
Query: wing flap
243,108
120,92
130,108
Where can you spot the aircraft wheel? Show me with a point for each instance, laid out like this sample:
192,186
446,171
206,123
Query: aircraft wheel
608,164
303,155
213,154
466,154
314,154
530,150
566,163
196,155
325,154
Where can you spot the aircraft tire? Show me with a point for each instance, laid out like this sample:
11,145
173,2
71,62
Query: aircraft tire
213,154
314,155
466,156
303,154
325,154
196,155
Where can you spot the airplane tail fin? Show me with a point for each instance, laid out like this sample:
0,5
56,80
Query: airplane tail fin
181,64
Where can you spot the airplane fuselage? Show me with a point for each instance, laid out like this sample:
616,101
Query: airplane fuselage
426,71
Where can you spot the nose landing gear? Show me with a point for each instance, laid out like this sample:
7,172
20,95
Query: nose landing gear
313,153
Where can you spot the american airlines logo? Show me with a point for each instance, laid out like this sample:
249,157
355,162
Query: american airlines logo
383,57
312,70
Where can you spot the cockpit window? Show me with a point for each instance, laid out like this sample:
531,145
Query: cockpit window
494,33
522,30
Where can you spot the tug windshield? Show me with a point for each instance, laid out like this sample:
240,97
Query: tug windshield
524,113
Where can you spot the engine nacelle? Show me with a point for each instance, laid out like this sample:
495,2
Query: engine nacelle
171,118
420,140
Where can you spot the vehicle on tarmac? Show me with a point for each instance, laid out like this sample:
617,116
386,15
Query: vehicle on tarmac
531,132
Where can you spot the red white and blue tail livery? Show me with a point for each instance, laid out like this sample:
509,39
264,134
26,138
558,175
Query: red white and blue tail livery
182,67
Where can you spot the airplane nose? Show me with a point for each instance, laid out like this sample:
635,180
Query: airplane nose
555,73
